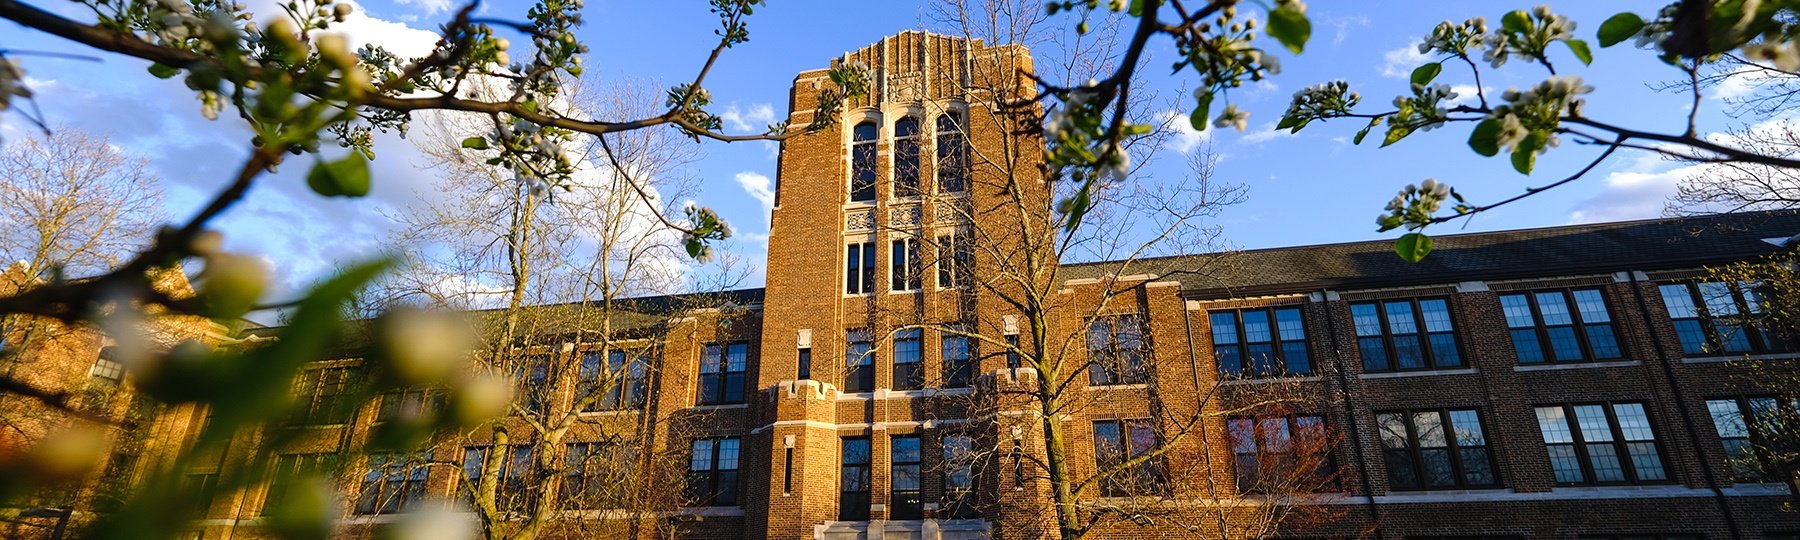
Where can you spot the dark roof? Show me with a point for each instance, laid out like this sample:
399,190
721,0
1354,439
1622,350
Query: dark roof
1647,245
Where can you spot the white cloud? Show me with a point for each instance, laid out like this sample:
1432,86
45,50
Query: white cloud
755,118
1186,137
1741,84
431,7
1465,94
1265,133
1641,188
758,186
1343,26
398,38
1399,63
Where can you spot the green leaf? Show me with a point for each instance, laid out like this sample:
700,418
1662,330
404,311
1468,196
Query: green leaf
1288,25
1364,132
1515,21
1136,9
1202,115
1137,129
1395,133
163,72
1413,247
1580,48
1525,156
1485,140
477,143
1424,74
1619,28
347,177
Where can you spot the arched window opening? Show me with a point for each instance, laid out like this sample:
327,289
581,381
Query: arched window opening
952,154
862,162
906,157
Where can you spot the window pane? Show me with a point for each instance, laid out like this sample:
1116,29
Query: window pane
1518,311
1241,431
1677,300
1224,328
1367,321
1633,422
1605,460
737,357
1294,353
1718,298
1593,306
1443,350
1437,315
1256,327
1477,470
1430,429
1692,336
701,459
1727,419
1646,461
1409,353
1292,329
1229,359
1466,426
1525,342
1554,425
1565,464
906,449
1592,419
1554,308
1393,431
1400,318
1600,337
1374,353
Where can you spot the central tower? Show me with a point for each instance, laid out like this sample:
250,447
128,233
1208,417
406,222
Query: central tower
882,223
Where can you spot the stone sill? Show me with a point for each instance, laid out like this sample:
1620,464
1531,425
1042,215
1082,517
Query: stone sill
1739,358
719,407
1421,373
1270,380
1577,365
1109,387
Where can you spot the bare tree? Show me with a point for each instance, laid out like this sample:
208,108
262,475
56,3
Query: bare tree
556,280
72,203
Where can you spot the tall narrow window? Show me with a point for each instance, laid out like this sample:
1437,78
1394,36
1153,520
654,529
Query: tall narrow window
862,162
1012,351
621,383
1119,441
956,355
407,403
1435,450
595,473
906,157
290,470
955,260
859,268
1280,453
860,363
1755,432
1601,444
1116,351
321,396
904,265
511,486
853,480
959,476
394,482
1255,343
908,359
722,367
1720,319
1403,335
533,374
1560,326
952,154
907,501
713,472
804,361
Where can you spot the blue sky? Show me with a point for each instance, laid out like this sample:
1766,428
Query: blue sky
1313,187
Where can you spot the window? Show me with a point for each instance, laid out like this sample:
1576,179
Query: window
908,354
955,261
512,487
1012,351
107,366
290,470
394,482
859,268
321,396
804,363
1402,335
713,472
1116,351
862,162
1544,328
1435,450
204,485
722,368
1755,431
533,374
1718,319
1601,444
906,157
1247,345
907,503
959,477
623,383
1118,441
903,268
952,154
1280,453
595,474
860,377
956,354
407,403
853,480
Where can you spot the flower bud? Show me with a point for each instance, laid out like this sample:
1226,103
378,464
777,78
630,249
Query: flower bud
422,347
66,455
233,284
341,12
479,399
334,48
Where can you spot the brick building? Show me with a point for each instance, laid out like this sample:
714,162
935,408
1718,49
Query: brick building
1568,382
